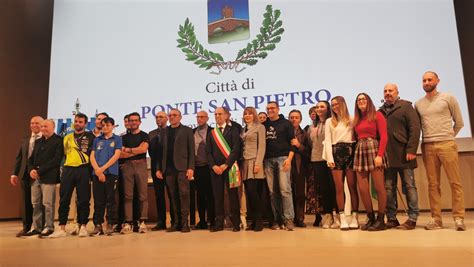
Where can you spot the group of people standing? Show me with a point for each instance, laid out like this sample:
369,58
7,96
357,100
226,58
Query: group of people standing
266,160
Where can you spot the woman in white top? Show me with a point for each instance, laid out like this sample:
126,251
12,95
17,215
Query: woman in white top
339,151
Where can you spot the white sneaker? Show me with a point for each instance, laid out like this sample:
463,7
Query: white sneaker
344,224
75,230
58,234
126,228
142,228
354,221
336,223
327,221
83,231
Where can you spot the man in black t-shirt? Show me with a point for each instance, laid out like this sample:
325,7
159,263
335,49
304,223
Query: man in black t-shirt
134,171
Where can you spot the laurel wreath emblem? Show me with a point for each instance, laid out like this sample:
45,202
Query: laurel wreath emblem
270,34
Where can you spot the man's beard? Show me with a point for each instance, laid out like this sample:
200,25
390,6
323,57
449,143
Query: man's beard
429,89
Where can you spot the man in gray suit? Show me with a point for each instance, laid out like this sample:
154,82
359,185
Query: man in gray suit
26,149
177,167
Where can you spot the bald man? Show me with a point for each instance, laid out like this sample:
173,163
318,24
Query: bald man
24,153
403,127
202,173
43,167
441,121
155,151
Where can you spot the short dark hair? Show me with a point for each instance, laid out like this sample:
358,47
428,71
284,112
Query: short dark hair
135,114
103,113
108,120
82,116
126,117
295,111
273,102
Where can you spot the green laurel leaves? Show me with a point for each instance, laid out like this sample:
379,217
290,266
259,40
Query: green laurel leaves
193,50
270,34
266,40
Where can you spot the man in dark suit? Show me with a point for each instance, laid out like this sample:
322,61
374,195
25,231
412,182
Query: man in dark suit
24,153
177,167
155,150
43,167
202,174
220,165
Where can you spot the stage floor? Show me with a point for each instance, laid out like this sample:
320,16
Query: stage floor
304,247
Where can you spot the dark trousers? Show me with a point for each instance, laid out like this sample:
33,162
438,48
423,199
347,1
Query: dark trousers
79,178
104,196
178,190
192,202
159,186
324,186
205,197
219,182
298,181
27,206
254,189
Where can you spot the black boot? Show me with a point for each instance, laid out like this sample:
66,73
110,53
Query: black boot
317,219
370,221
379,225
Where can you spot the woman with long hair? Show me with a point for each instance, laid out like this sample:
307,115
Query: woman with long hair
339,151
253,136
322,177
371,131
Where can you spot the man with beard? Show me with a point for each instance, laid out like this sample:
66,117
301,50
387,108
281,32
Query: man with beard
76,174
403,128
441,121
98,123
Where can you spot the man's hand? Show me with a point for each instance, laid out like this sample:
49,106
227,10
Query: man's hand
286,165
217,169
223,167
34,174
256,169
14,180
159,174
411,156
331,165
101,177
189,174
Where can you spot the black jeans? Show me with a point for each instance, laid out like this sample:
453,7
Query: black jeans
159,186
79,178
218,183
104,196
27,206
324,182
298,181
205,197
178,190
254,189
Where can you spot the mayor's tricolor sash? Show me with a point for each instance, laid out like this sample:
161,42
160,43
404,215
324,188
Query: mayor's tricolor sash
234,172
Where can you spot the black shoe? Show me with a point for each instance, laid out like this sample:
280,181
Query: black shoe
379,224
317,220
217,228
21,233
236,229
136,227
392,223
251,226
185,228
173,228
258,226
370,221
46,233
300,224
118,228
158,227
200,226
32,233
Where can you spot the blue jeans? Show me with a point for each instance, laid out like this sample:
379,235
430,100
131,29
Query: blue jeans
409,190
43,198
282,201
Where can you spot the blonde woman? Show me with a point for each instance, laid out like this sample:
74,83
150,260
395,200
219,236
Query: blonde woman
253,137
339,152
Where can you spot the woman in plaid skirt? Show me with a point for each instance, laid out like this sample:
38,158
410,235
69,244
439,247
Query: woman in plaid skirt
371,131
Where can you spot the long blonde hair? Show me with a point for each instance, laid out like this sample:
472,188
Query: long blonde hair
253,111
343,115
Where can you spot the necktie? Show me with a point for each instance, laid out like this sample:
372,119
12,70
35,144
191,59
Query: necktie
32,145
